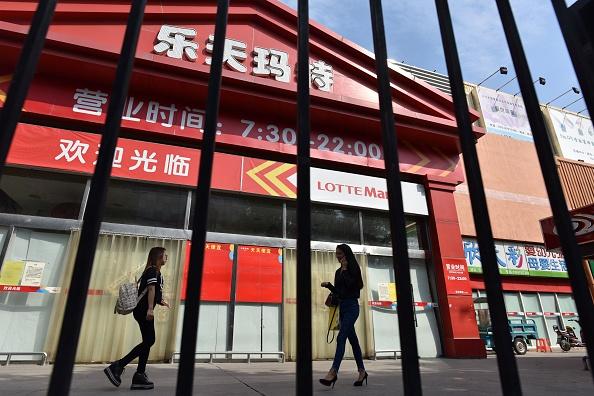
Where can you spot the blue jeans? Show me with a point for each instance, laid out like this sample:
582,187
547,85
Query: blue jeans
349,312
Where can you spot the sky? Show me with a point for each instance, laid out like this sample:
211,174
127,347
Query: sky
413,37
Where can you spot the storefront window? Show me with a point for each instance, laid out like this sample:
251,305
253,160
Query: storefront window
376,230
145,205
244,214
512,302
3,232
534,312
34,262
327,224
551,314
37,193
569,311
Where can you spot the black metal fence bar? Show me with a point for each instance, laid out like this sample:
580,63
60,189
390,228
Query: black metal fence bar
185,373
508,370
571,250
406,320
584,71
77,294
23,75
304,337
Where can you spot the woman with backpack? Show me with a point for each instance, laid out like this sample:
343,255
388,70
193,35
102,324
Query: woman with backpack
152,281
347,285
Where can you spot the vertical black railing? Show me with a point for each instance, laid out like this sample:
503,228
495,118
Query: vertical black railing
508,369
83,264
23,75
406,320
583,70
304,338
185,373
571,250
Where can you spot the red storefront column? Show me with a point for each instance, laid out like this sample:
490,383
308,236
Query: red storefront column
460,331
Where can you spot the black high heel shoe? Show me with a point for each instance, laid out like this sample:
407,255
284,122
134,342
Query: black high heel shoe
360,383
326,382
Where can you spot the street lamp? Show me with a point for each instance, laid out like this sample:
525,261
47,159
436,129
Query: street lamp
566,106
574,89
540,80
506,83
501,70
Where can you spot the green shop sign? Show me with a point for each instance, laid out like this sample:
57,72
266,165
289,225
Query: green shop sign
518,260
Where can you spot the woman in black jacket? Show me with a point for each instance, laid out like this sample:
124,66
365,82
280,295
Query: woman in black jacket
347,284
152,281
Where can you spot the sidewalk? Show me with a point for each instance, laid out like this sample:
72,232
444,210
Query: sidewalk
541,374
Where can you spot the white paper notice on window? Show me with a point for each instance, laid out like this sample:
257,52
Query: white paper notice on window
33,273
386,291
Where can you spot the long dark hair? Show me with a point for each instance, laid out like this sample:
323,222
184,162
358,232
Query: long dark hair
352,263
154,255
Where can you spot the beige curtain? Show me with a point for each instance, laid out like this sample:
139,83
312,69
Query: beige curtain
323,265
119,258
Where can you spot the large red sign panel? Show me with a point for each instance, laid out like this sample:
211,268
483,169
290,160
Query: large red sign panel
216,275
166,117
77,152
259,275
456,277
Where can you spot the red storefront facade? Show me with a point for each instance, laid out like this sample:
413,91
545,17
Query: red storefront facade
163,117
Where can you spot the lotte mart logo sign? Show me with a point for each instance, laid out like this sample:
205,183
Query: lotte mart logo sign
178,43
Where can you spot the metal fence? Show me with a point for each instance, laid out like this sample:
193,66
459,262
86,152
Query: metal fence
510,381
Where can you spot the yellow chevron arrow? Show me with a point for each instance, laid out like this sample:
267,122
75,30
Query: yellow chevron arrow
253,173
273,177
452,163
419,165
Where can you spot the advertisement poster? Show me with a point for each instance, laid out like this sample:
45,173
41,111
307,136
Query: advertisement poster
575,135
259,275
504,114
456,274
518,260
12,272
33,273
216,274
386,291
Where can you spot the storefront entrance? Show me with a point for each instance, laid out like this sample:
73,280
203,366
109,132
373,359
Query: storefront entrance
382,297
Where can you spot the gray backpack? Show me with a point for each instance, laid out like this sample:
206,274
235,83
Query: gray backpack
128,298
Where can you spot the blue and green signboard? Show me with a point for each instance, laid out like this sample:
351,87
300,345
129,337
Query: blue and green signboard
518,260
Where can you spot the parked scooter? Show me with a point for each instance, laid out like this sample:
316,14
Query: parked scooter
567,338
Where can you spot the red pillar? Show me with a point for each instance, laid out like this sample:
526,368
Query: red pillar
460,331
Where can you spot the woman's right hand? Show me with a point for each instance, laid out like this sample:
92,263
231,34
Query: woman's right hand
150,314
325,284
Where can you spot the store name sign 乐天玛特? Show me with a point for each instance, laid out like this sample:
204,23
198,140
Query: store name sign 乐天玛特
178,43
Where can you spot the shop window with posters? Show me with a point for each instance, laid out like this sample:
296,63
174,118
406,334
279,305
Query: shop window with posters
29,280
37,193
382,289
241,294
215,299
258,298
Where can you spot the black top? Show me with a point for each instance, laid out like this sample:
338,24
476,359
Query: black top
150,277
345,285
